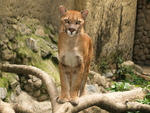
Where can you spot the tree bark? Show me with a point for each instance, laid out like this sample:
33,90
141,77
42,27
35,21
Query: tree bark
117,102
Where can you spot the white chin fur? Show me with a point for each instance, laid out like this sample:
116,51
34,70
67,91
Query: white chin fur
71,34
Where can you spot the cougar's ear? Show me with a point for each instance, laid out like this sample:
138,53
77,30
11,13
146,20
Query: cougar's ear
84,13
62,10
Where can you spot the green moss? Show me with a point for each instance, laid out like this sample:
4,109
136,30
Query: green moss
4,82
34,58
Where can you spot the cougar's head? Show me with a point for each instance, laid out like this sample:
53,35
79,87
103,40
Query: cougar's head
72,21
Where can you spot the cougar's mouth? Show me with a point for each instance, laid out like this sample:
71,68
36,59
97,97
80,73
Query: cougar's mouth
71,32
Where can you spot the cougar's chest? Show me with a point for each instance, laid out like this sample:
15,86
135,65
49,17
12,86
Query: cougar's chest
70,57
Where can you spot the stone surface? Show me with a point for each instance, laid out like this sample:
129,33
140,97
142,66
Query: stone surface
147,27
140,53
23,29
40,31
146,51
32,44
142,33
3,93
107,33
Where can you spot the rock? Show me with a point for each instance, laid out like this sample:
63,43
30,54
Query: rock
46,50
24,30
55,58
133,66
147,27
128,63
40,31
52,29
28,102
3,93
4,38
108,74
45,53
137,42
14,83
139,34
38,83
29,86
147,40
147,57
148,34
96,78
54,38
138,69
18,89
91,89
146,51
147,62
32,44
141,21
139,28
141,15
34,78
36,93
44,91
136,49
140,53
7,54
147,15
143,58
11,20
12,97
145,33
1,29
43,97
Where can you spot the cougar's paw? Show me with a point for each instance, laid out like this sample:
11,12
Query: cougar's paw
74,102
61,100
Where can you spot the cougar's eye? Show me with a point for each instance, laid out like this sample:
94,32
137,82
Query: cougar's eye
67,21
78,22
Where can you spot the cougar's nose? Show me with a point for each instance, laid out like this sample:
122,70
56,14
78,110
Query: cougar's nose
71,29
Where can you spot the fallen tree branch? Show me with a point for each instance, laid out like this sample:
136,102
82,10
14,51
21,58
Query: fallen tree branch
112,102
46,79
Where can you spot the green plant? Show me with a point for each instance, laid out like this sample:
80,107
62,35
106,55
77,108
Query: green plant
120,69
104,66
144,101
120,86
137,80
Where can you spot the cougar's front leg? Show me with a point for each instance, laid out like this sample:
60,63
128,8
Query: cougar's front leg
64,79
77,74
83,82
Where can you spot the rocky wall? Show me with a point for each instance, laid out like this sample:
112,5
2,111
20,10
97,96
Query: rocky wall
110,23
142,34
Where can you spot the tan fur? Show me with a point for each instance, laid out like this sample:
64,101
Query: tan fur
75,54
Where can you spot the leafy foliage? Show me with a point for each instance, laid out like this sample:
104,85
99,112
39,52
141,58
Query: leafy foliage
104,66
120,86
145,101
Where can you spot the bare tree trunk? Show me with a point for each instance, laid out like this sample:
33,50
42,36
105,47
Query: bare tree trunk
113,102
